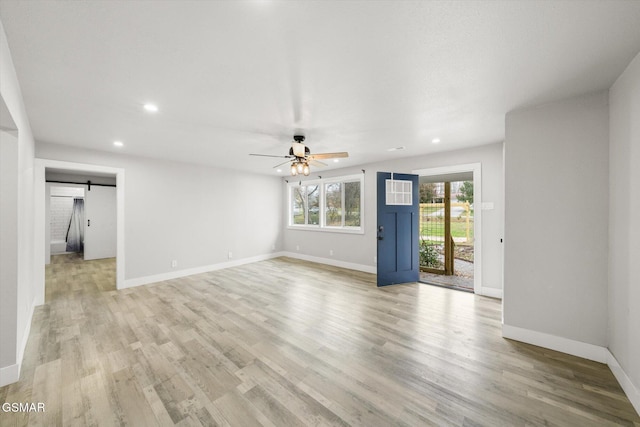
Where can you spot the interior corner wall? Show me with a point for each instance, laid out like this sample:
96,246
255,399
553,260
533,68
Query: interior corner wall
556,219
18,324
624,229
359,250
195,215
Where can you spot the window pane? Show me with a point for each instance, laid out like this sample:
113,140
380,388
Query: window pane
297,196
352,204
313,198
333,195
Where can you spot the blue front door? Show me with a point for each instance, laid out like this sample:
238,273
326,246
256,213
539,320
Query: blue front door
398,235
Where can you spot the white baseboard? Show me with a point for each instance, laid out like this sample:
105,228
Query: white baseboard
632,392
580,349
490,292
139,281
333,262
563,345
130,283
9,374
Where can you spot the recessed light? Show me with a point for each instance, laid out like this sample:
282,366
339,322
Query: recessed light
396,148
435,140
152,108
336,160
279,170
118,143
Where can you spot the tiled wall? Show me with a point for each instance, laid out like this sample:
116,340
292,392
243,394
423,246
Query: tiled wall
61,208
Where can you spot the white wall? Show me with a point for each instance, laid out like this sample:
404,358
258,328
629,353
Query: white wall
8,247
360,249
624,229
556,219
17,323
193,214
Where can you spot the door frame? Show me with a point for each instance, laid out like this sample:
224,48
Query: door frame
40,166
476,169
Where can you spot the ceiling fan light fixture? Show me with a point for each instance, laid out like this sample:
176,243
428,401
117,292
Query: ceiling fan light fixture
301,158
298,149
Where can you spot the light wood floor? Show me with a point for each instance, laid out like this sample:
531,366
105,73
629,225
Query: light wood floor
285,342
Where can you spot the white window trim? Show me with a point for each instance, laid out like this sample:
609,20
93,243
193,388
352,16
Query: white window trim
322,227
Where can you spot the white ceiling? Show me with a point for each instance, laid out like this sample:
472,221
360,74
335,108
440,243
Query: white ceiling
233,78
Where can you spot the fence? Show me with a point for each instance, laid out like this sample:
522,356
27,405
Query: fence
432,223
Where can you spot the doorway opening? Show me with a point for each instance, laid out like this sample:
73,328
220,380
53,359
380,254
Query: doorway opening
446,233
81,237
449,227
107,219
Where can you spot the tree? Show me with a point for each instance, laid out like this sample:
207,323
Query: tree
333,199
306,195
352,204
466,192
427,192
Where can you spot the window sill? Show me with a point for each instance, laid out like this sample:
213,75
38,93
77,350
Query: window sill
326,229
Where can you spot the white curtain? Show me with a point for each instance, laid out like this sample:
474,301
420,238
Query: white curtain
75,233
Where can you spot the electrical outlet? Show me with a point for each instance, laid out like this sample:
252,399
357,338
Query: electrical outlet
297,247
174,263
375,259
331,252
230,255
273,247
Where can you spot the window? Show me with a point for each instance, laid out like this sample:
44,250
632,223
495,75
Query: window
352,204
333,204
306,205
333,209
398,192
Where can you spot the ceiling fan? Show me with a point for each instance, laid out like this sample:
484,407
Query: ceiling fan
300,157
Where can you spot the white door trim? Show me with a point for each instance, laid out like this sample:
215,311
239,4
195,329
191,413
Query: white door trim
40,165
476,168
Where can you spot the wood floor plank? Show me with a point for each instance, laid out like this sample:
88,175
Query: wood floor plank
96,401
131,398
47,382
285,342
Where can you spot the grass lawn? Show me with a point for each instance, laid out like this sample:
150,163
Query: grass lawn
435,227
314,218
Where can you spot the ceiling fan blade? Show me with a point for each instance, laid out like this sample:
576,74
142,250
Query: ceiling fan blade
317,163
283,163
269,155
329,155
